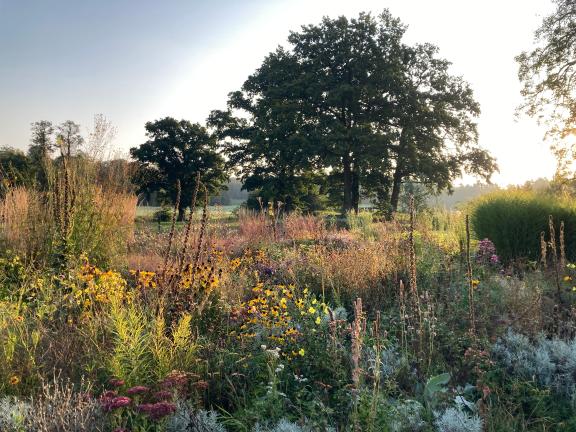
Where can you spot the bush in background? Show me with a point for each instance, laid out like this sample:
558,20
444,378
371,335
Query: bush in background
513,220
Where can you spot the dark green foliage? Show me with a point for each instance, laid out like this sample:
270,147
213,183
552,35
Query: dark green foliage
178,151
15,168
513,220
350,104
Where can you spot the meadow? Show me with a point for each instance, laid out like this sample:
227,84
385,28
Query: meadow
271,321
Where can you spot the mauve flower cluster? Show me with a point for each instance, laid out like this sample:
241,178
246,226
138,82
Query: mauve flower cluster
155,405
157,410
486,253
111,401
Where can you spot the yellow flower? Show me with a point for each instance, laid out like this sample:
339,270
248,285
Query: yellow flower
14,380
311,310
301,352
318,320
567,278
19,318
475,283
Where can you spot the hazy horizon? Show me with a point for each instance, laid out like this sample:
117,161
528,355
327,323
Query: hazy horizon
140,61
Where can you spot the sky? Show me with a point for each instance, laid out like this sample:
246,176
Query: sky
139,60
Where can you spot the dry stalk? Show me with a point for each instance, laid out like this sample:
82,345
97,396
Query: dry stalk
172,230
562,247
357,332
188,231
543,251
471,311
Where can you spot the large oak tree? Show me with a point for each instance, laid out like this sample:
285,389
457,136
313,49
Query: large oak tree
349,100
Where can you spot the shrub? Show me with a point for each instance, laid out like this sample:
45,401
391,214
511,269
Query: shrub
163,215
550,362
513,220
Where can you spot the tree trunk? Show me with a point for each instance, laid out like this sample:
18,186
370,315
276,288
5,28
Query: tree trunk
355,188
181,213
347,204
397,183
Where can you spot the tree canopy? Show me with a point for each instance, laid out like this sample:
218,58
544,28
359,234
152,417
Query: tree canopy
548,74
352,105
176,151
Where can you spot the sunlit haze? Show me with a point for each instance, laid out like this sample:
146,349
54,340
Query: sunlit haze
136,61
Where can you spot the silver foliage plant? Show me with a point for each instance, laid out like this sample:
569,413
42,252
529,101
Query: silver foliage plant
406,416
549,362
285,426
13,414
186,419
458,420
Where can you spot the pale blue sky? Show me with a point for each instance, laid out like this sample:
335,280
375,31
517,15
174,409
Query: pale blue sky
138,60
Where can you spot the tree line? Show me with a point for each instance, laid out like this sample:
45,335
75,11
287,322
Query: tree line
346,111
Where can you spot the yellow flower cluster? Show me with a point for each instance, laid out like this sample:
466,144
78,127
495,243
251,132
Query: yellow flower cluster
144,279
204,278
281,315
100,287
247,260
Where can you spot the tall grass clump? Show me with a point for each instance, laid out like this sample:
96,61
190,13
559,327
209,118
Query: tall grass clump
76,213
513,220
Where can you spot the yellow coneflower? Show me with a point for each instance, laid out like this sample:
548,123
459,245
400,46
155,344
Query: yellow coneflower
14,380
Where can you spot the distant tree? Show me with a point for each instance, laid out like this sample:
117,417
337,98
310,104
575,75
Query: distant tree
177,151
41,147
351,100
548,76
15,168
68,138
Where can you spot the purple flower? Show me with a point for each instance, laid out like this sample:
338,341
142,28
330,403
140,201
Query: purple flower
486,252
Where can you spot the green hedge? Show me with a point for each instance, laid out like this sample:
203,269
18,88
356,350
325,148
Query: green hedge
513,220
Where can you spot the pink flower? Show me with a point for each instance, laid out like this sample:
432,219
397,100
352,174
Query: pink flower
157,410
109,404
137,390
